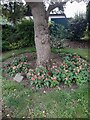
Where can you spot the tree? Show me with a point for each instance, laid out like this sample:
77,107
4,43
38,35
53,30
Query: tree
13,11
77,26
40,17
88,15
42,37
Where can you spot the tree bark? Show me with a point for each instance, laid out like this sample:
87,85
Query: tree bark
41,33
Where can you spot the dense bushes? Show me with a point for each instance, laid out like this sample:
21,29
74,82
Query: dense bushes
14,37
58,35
77,26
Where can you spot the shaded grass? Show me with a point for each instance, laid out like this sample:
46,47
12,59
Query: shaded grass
8,54
55,104
84,53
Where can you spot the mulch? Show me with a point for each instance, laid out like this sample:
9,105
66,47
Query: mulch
78,44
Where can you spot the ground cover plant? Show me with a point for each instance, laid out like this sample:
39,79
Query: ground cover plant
73,69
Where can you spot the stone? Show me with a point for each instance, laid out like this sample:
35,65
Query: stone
18,77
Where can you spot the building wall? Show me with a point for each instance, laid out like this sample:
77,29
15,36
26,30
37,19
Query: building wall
59,20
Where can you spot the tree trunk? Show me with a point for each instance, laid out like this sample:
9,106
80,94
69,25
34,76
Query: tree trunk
41,34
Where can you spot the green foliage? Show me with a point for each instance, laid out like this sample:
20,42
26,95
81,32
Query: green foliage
8,33
13,11
58,35
77,26
14,37
17,65
5,45
73,70
25,32
86,36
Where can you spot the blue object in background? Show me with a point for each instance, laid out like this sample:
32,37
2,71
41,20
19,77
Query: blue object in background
62,21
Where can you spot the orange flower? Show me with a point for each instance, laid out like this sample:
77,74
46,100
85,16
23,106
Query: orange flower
75,56
66,78
42,76
46,79
89,71
32,78
53,78
39,78
28,73
66,70
35,76
78,70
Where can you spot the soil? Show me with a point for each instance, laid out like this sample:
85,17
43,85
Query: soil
78,44
56,59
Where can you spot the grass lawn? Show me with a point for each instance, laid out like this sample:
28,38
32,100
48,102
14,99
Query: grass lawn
20,101
7,55
82,52
24,102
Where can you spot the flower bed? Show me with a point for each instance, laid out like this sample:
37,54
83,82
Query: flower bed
74,69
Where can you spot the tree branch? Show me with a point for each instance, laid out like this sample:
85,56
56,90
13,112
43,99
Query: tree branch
53,6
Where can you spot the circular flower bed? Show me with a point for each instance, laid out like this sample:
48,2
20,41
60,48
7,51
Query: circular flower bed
74,69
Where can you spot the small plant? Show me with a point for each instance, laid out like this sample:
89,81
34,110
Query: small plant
74,69
18,65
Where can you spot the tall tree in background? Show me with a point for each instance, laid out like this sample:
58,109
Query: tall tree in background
13,11
88,15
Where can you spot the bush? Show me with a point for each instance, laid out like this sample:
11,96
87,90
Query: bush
58,35
77,26
8,32
86,36
5,46
14,37
25,31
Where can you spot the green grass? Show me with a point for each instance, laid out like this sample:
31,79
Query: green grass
8,54
84,53
57,103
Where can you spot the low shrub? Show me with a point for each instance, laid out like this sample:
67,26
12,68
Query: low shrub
73,70
58,35
5,46
77,26
25,31
86,36
20,36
